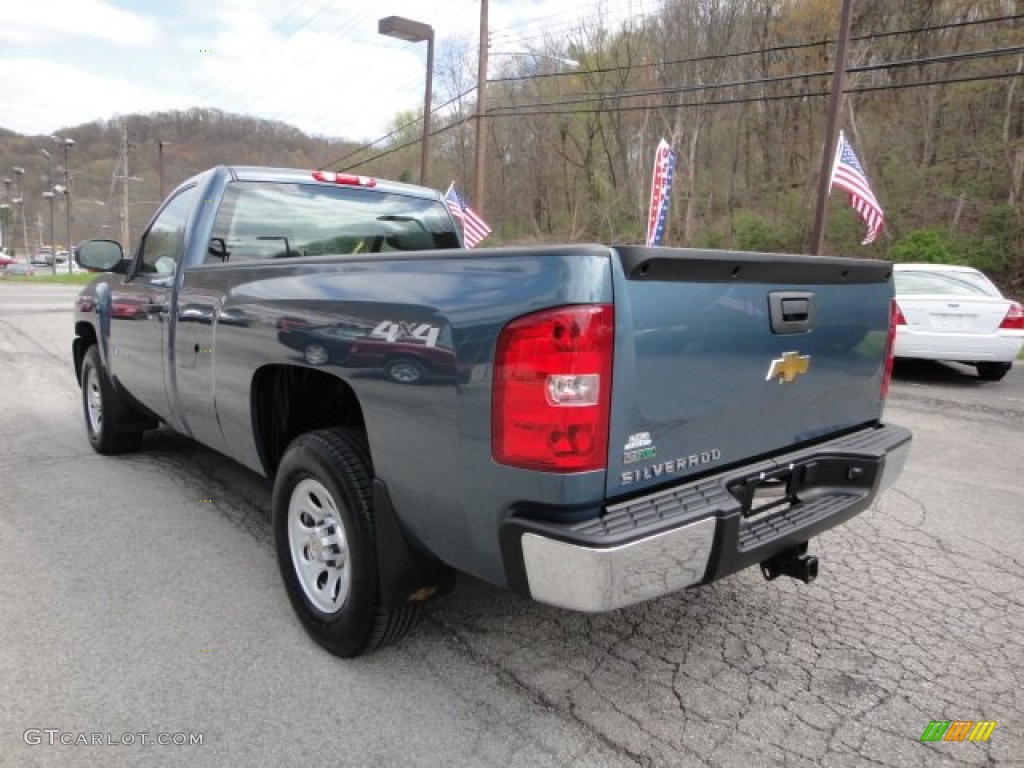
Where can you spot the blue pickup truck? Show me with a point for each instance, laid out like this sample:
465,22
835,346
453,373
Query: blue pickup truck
591,426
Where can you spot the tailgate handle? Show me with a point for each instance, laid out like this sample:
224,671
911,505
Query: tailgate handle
795,310
791,311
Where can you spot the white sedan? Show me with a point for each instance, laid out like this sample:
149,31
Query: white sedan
947,312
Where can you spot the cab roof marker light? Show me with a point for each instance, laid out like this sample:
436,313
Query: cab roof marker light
349,179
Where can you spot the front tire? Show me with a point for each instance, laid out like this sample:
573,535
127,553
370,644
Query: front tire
993,371
106,414
324,533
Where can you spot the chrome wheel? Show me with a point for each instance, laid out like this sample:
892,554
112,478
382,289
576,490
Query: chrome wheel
405,371
316,354
94,400
318,546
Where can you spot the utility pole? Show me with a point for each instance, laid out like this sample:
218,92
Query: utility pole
121,172
160,163
835,100
479,185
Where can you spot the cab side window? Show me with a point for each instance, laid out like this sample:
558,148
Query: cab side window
164,244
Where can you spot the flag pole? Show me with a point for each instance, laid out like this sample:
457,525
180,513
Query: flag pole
831,129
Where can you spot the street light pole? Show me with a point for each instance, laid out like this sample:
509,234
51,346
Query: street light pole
68,144
7,207
49,193
4,213
18,173
415,32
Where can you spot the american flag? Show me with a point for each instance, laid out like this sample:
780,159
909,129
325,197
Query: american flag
474,228
661,189
847,174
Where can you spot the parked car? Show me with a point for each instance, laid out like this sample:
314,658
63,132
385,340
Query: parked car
19,267
955,313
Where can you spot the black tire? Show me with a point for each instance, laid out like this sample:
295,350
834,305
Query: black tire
108,419
405,370
323,482
992,371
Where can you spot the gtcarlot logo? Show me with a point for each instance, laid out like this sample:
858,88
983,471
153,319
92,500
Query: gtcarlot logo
54,736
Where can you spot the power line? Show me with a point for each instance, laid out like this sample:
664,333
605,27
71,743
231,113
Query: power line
921,61
535,108
568,23
760,98
399,129
413,142
229,81
761,51
345,26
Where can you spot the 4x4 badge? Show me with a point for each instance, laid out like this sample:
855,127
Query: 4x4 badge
785,369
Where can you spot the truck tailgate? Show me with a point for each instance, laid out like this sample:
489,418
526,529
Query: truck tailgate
723,357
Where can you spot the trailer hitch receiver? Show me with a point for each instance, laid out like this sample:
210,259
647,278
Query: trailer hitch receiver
794,562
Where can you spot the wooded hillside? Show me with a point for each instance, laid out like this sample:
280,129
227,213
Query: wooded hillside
194,140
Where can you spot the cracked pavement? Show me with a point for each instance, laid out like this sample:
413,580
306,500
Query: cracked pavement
916,615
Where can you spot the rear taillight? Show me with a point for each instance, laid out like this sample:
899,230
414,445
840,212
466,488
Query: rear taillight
552,389
350,179
1014,320
897,314
895,318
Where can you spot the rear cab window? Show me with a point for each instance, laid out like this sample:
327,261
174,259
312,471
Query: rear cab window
269,220
944,282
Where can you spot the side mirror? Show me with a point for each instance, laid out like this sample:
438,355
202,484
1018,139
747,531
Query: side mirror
99,255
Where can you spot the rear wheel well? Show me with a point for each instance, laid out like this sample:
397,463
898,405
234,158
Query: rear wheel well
288,401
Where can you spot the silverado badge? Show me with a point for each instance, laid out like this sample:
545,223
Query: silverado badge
785,369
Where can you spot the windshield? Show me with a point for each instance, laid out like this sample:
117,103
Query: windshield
264,220
955,283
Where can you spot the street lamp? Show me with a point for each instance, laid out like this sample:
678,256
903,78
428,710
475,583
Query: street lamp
415,32
67,144
49,193
18,173
4,213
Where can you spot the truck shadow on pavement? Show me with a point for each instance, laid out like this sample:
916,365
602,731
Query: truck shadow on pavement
934,372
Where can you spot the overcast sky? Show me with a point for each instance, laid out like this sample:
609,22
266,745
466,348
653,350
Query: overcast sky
317,64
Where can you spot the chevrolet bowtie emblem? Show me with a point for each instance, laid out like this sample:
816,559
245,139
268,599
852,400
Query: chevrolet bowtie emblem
786,368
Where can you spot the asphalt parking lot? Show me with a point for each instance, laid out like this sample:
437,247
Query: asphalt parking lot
140,595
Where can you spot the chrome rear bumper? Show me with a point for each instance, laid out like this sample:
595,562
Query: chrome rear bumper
696,532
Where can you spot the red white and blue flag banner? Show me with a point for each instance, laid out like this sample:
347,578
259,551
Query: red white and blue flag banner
474,228
848,174
661,190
